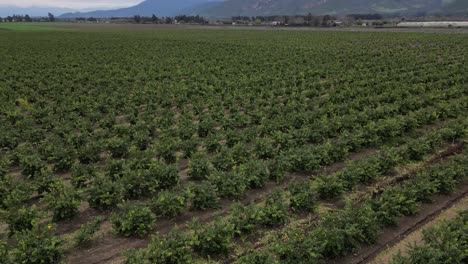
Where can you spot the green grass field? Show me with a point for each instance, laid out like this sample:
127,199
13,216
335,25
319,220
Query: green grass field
227,146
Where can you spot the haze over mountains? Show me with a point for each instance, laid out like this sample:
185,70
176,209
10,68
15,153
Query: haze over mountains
228,8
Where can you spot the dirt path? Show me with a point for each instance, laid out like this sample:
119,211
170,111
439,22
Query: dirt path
416,237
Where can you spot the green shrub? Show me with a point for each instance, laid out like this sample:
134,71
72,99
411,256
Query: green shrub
199,166
275,211
213,239
258,257
82,174
104,193
169,203
133,219
303,196
230,184
167,175
444,244
89,153
393,203
32,165
36,246
328,187
204,196
118,147
64,203
21,219
174,248
85,234
255,171
245,218
5,257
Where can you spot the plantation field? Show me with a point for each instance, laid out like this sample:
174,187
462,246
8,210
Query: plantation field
184,145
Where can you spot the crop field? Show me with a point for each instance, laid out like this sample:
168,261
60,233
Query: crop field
230,146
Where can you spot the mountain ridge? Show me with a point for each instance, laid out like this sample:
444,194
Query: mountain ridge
229,8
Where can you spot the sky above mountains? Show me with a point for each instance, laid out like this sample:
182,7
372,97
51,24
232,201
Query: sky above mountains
71,4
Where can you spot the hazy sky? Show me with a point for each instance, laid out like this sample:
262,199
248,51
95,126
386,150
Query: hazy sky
73,4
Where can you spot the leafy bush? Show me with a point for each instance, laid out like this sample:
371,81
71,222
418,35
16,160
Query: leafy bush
213,239
104,194
444,244
133,219
275,211
32,165
328,187
199,166
82,174
118,147
21,219
255,171
89,153
174,248
169,203
85,233
231,184
64,203
394,202
303,196
204,196
36,246
245,218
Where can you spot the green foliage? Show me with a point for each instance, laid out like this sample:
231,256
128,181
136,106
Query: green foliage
118,147
32,165
133,219
231,184
104,194
303,196
245,217
21,219
204,196
275,211
85,234
174,248
444,244
64,203
89,153
82,174
36,246
328,187
169,203
213,239
199,166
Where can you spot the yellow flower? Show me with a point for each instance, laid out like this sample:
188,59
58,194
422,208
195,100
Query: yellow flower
49,227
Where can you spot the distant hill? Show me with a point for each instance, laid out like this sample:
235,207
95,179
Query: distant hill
145,8
318,7
32,11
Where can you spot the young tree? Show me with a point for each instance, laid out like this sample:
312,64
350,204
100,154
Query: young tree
137,19
154,19
51,17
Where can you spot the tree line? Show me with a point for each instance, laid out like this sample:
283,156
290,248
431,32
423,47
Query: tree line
27,18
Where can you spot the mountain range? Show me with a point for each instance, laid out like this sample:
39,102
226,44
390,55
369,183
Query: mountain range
333,7
228,8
